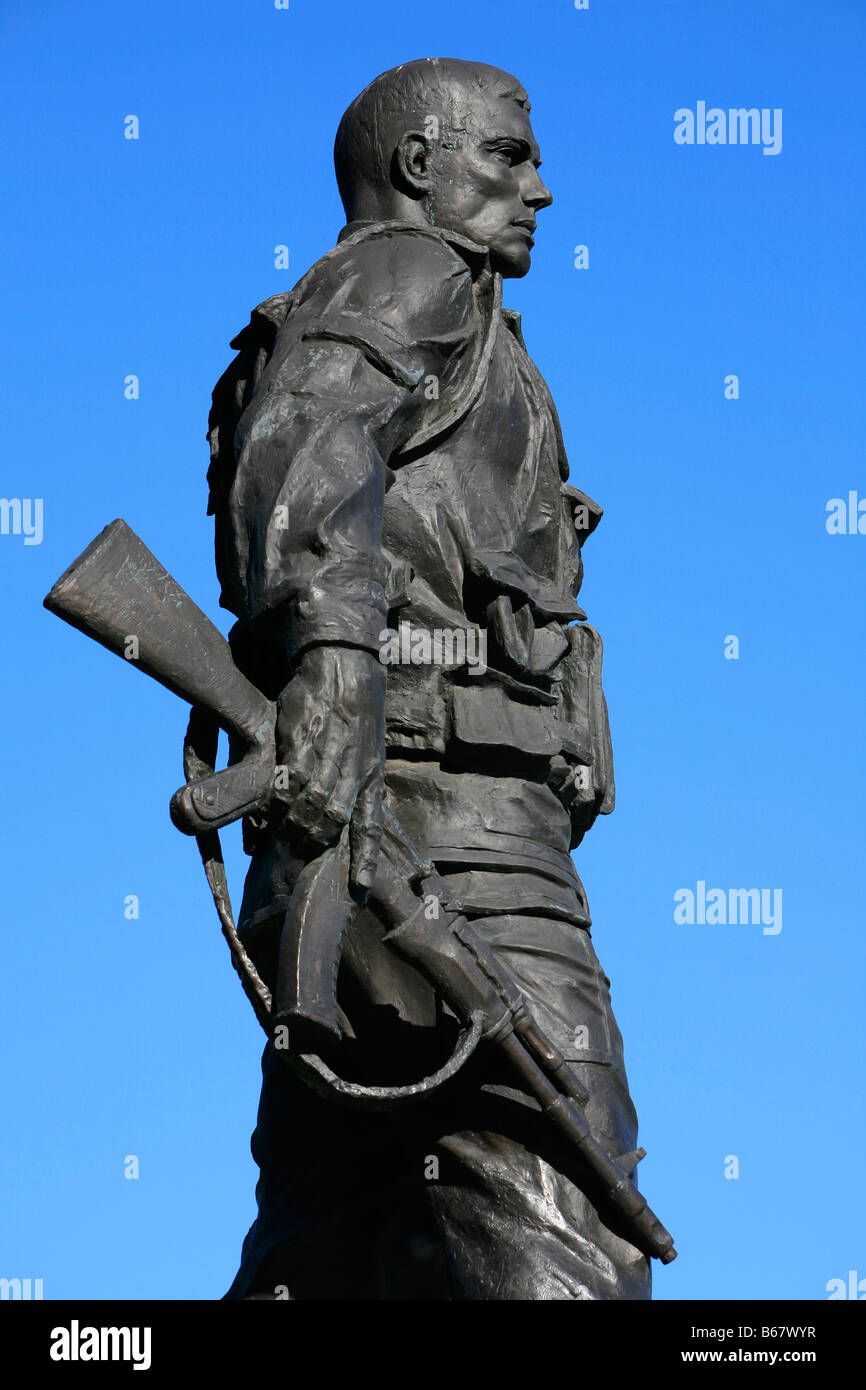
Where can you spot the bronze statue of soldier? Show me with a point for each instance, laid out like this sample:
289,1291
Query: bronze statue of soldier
387,460
419,739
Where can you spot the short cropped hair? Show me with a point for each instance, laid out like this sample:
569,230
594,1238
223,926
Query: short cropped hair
404,96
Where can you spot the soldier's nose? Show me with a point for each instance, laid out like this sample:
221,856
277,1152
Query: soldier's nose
538,195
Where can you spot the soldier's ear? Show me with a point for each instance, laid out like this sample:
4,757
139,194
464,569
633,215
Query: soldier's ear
411,164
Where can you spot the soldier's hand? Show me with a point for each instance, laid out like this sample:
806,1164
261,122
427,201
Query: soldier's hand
331,751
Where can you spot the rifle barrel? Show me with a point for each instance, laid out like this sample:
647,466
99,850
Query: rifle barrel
631,1204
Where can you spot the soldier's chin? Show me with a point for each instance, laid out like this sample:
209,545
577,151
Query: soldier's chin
511,262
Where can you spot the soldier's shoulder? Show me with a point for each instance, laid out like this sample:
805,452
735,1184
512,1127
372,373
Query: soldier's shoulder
417,279
394,268
387,287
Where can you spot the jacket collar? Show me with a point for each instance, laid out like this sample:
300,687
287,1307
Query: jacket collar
473,251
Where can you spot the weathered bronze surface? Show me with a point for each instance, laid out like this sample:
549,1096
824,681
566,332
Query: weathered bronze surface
418,739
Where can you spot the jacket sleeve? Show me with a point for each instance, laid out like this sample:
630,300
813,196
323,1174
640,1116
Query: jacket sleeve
583,707
346,382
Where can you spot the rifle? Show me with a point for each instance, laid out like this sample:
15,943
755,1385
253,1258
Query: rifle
117,590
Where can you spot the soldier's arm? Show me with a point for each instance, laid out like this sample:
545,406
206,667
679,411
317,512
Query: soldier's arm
344,386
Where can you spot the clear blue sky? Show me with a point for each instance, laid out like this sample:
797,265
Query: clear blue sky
144,257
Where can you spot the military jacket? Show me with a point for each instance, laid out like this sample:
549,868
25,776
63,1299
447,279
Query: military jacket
388,471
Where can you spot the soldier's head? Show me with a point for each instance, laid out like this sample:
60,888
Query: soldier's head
447,143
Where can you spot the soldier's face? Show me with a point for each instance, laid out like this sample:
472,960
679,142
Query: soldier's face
488,188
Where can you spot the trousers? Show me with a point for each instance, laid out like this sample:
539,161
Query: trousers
467,1194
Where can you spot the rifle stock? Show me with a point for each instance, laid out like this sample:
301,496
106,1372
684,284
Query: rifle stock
119,594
